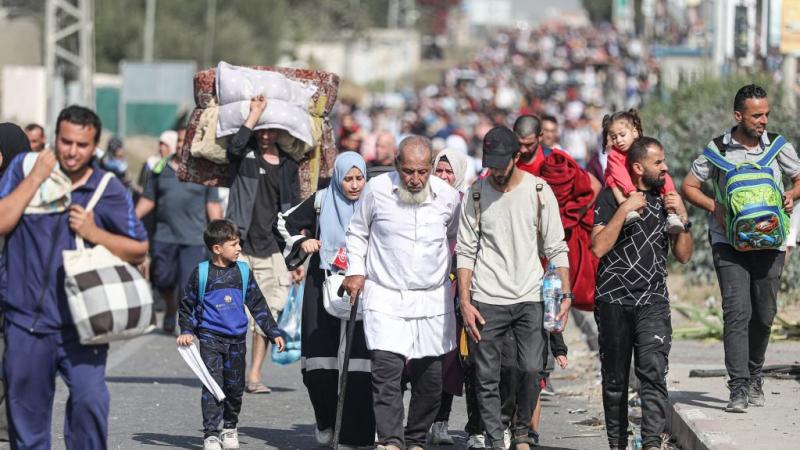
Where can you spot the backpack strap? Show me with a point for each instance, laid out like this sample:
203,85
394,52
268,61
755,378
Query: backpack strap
244,270
718,160
540,208
476,204
202,279
776,145
722,147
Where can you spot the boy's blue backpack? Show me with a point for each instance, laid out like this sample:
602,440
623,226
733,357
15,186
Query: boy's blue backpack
756,219
202,275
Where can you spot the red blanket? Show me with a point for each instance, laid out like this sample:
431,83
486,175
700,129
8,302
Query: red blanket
573,190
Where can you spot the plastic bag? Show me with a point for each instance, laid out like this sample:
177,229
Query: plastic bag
289,322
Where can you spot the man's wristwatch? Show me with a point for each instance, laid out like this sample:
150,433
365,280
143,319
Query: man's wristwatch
687,226
567,295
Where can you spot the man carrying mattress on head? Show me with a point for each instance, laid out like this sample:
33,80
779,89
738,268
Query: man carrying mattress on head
266,183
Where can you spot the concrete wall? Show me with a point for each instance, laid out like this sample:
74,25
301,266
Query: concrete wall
381,55
22,42
22,95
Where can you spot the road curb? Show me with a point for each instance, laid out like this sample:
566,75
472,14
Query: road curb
693,429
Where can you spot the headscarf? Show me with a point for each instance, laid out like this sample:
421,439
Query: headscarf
170,138
458,162
13,141
336,209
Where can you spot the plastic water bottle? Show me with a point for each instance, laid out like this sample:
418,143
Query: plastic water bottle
551,296
636,443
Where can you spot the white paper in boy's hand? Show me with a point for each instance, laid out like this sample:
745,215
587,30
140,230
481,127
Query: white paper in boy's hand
191,354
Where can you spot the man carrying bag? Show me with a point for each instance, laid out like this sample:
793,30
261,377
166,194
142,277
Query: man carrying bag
40,335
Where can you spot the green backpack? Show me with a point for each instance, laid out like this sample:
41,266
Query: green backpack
756,219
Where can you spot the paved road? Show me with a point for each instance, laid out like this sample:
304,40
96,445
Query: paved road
155,404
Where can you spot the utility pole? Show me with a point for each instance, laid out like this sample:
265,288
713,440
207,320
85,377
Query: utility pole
394,14
149,33
69,52
211,23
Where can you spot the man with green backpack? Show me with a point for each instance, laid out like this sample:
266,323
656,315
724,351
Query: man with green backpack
748,228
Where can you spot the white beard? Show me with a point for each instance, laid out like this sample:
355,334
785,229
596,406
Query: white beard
413,198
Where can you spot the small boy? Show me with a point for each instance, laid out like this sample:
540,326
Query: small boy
220,323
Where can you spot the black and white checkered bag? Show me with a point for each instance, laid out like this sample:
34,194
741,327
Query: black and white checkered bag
108,298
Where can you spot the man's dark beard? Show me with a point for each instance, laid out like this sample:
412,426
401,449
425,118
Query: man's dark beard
527,157
749,132
653,182
506,178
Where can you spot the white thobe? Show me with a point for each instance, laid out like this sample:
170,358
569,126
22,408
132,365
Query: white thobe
403,250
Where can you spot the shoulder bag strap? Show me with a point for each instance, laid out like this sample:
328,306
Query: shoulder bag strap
98,193
317,207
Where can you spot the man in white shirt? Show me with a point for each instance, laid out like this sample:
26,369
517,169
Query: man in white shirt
398,249
500,240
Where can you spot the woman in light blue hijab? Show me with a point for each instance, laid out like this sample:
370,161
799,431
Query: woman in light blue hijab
317,228
338,206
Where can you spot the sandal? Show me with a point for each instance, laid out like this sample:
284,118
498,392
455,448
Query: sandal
257,388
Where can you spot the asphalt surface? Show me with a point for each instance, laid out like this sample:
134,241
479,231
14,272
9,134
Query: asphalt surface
156,403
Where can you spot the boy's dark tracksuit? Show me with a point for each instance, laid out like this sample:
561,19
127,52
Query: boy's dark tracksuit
220,324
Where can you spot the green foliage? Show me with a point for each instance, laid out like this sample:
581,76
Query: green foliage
598,10
246,32
685,122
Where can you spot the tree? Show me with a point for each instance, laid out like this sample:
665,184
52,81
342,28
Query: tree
598,10
247,31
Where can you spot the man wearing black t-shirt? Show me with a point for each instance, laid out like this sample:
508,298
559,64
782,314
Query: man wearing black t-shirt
631,299
266,183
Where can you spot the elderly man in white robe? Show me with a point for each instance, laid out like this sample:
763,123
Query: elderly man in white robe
398,249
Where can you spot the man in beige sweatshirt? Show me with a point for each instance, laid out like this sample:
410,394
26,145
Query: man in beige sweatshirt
500,276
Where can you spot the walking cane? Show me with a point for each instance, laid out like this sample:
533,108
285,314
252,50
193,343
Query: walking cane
351,329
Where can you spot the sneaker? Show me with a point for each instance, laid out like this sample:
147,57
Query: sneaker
212,443
674,224
755,392
229,438
738,403
632,216
439,435
507,438
324,437
548,390
476,442
534,437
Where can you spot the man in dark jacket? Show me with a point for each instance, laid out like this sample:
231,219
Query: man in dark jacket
266,183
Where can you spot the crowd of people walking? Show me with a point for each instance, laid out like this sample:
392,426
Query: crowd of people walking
443,220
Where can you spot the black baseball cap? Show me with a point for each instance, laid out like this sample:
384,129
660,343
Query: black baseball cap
499,146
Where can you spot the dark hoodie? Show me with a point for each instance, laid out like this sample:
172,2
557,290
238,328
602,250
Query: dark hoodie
13,141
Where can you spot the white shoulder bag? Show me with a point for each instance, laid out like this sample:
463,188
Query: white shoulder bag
336,305
108,298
